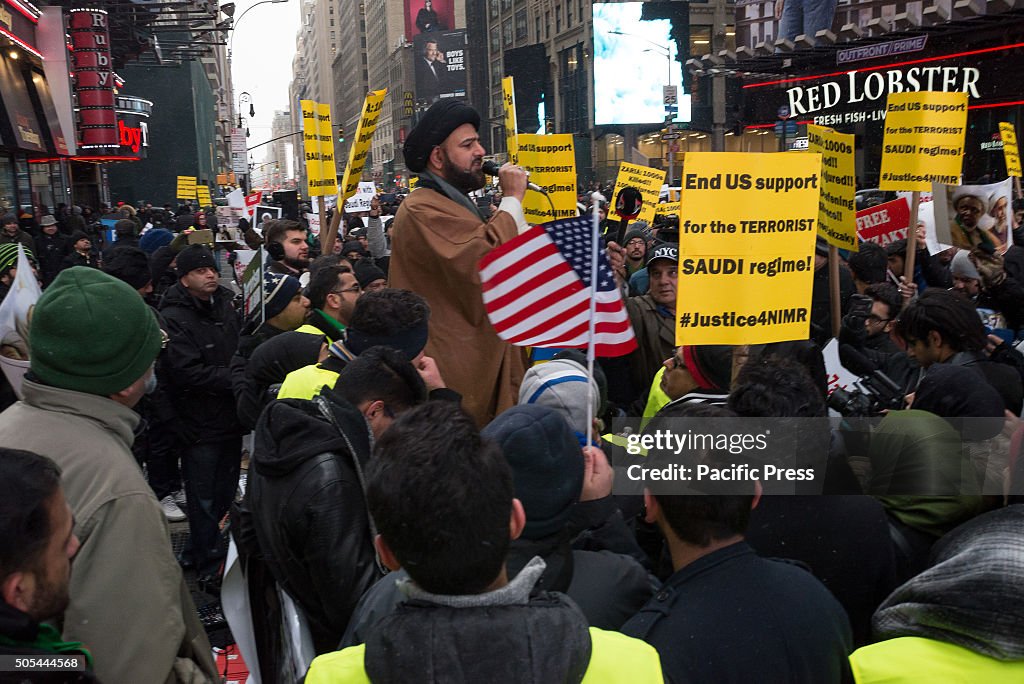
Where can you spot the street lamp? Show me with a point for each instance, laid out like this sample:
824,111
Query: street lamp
231,43
667,51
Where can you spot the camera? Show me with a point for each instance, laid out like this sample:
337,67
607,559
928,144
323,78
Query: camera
873,394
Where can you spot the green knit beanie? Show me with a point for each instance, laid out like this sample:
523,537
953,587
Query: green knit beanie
92,333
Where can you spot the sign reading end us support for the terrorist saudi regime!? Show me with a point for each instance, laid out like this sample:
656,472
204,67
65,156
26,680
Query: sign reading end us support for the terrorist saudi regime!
837,208
552,165
923,141
746,247
645,179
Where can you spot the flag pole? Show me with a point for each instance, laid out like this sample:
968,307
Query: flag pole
594,238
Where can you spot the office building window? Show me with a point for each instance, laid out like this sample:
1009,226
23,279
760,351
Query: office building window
506,33
521,25
495,40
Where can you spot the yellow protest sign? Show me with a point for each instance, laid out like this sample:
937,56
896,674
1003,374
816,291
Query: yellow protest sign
747,233
666,208
1010,151
923,141
203,196
837,208
186,187
645,179
511,133
328,171
413,180
361,144
311,147
552,165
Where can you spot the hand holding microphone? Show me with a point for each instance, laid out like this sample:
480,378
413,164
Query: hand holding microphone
493,169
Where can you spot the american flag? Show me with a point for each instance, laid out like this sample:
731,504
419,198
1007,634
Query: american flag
537,291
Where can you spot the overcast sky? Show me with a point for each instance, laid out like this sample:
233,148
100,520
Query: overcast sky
261,61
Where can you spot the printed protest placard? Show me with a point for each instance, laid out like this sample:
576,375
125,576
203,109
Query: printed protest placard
314,224
361,143
328,169
884,223
311,147
836,205
186,188
747,234
970,216
361,200
508,94
203,196
645,179
668,208
924,140
1010,151
552,165
252,287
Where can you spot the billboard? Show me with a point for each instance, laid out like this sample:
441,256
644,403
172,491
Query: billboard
440,59
428,16
765,21
636,54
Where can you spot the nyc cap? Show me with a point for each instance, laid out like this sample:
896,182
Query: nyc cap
664,251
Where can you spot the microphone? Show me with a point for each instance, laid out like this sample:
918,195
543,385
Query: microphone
491,169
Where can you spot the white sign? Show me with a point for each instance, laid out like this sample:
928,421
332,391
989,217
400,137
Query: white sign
669,94
238,151
361,200
838,376
314,223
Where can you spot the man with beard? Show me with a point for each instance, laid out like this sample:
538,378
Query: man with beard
287,246
439,237
36,525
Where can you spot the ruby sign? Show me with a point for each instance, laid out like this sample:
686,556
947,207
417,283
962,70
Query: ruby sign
94,79
884,223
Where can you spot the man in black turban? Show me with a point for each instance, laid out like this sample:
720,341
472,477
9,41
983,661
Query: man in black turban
438,238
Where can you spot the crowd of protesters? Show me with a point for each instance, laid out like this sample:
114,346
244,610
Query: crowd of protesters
436,505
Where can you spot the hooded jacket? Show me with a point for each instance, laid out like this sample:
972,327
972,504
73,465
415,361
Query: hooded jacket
516,634
962,619
307,501
203,338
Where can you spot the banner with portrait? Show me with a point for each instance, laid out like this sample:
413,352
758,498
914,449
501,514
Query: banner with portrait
440,66
970,216
428,16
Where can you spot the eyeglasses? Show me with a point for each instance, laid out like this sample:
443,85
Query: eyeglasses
354,288
635,241
875,318
676,362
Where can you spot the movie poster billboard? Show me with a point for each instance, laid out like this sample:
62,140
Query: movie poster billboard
974,216
428,16
440,60
765,21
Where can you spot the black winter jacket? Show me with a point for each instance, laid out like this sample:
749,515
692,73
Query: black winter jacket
308,507
203,338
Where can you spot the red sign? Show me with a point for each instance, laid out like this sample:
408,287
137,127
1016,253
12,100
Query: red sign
884,223
251,200
129,136
94,79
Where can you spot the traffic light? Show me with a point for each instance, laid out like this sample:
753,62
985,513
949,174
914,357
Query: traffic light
549,126
341,134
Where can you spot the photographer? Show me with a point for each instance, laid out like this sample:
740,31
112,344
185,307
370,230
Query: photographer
867,329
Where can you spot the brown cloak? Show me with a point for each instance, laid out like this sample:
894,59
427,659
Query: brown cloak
436,245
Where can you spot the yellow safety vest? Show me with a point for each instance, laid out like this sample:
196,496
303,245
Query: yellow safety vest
656,399
306,382
908,660
309,329
614,658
